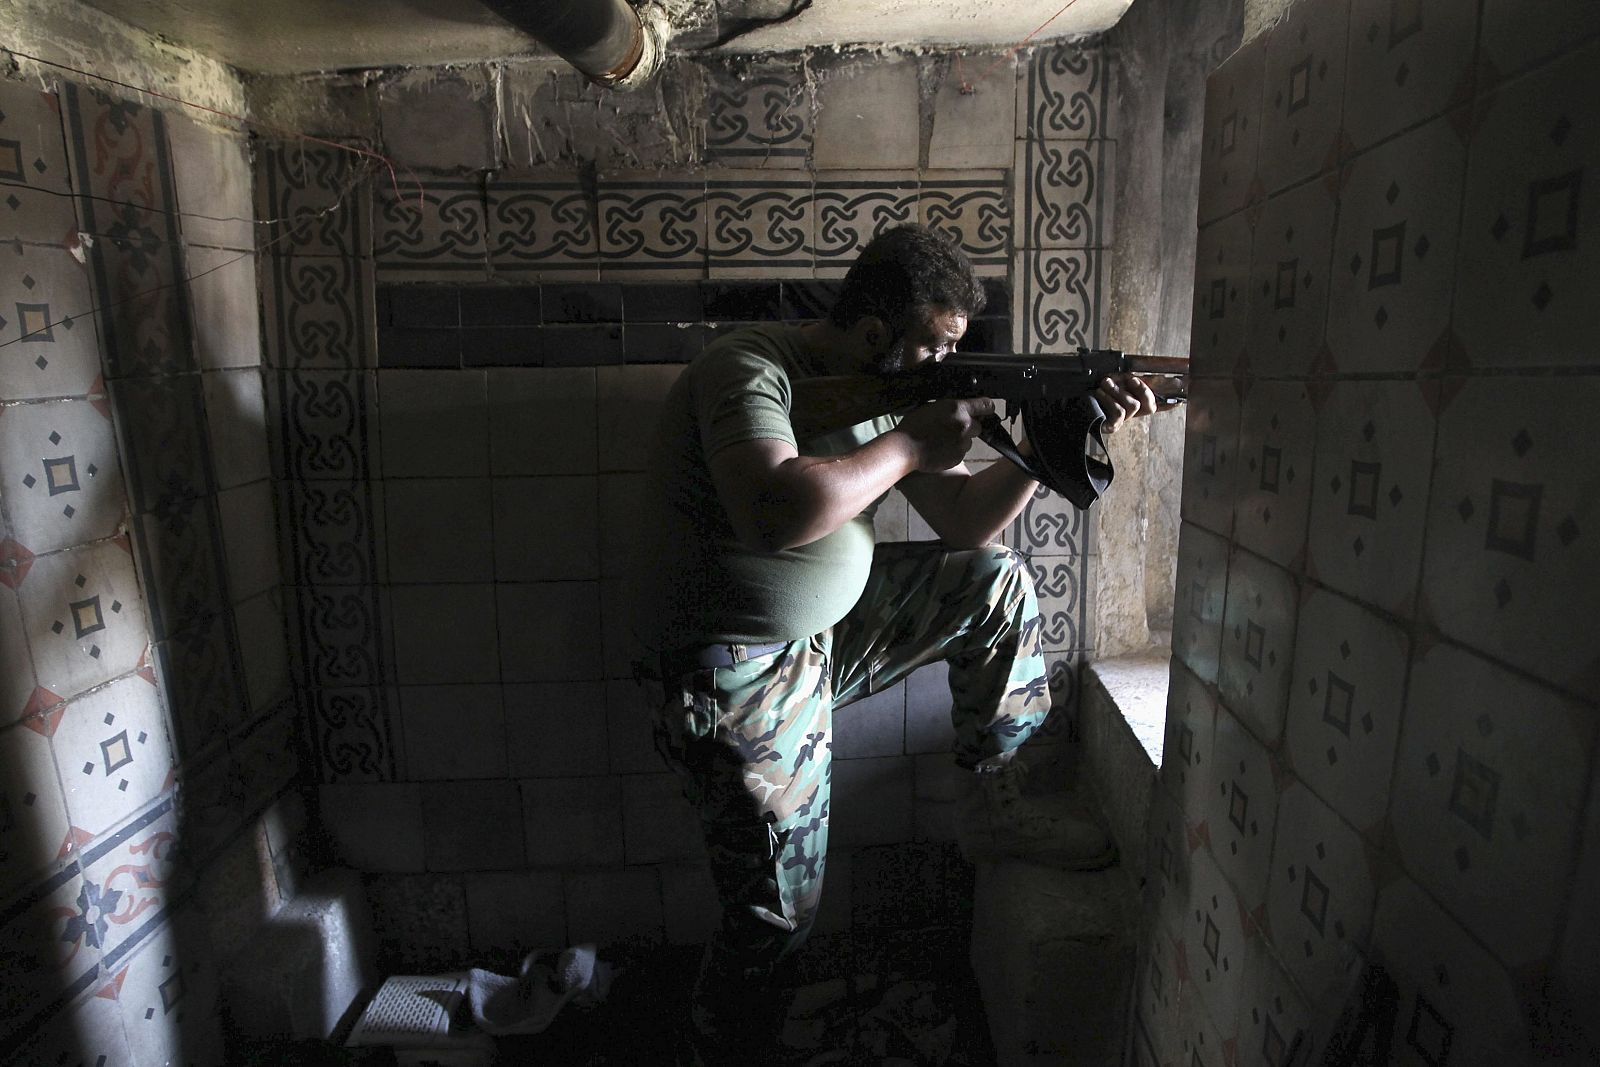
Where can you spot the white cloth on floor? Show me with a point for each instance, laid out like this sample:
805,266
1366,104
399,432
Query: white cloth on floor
528,1003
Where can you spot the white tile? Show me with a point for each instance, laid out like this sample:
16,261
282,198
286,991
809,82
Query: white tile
1374,452
1211,453
263,648
374,827
561,400
1511,41
16,666
1344,705
433,423
1220,326
169,995
929,728
1258,643
211,169
1452,994
547,630
1510,522
1241,808
90,1031
658,825
555,729
867,115
1199,597
573,821
629,402
871,801
453,731
606,906
1275,1021
630,729
30,789
1321,891
61,355
546,529
1277,443
1394,253
439,529
974,130
61,473
1579,952
1524,277
445,633
1488,786
84,616
222,290
250,539
515,912
236,418
873,726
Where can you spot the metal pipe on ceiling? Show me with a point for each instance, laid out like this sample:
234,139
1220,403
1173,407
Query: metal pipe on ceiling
608,41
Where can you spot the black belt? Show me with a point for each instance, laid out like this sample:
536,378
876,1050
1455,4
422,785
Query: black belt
706,657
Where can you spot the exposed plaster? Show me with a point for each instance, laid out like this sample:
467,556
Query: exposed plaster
87,39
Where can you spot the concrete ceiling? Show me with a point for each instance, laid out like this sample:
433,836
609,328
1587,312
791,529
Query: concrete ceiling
294,36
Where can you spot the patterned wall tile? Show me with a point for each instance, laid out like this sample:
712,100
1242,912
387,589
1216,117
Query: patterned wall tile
1394,252
1344,705
1201,585
1304,83
1210,453
84,616
1510,519
314,200
1220,329
1409,60
16,665
60,473
1059,582
113,752
122,172
1510,41
33,812
1216,933
1289,278
652,225
48,338
1056,300
1321,892
90,1031
351,735
327,425
868,114
128,882
761,226
542,229
1374,453
1241,808
181,554
213,183
1062,189
1449,993
1487,789
51,938
1049,526
37,216
1232,132
168,992
852,207
1187,752
340,636
32,151
1062,93
199,673
437,232
1277,444
760,115
972,208
1525,270
1275,1021
317,312
1258,643
163,428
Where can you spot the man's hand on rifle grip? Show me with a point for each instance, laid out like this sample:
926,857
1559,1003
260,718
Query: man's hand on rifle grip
1126,396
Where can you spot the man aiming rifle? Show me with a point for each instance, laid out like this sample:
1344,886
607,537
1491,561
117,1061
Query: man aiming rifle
769,605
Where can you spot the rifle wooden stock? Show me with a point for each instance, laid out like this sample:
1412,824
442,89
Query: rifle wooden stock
824,404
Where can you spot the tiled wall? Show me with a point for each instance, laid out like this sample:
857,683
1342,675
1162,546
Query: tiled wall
1382,722
466,390
146,720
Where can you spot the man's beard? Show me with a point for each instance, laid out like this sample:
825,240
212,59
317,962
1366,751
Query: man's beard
893,362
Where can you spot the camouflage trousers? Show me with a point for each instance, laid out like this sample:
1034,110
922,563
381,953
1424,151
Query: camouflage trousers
752,741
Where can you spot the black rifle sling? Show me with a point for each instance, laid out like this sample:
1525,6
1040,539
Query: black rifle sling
1061,432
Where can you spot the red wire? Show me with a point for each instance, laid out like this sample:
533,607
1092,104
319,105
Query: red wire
967,87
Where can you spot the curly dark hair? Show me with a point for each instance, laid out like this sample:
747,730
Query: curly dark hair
902,272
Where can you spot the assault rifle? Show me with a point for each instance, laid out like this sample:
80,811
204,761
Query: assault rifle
1052,392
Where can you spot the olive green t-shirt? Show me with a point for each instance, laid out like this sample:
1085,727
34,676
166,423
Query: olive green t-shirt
699,585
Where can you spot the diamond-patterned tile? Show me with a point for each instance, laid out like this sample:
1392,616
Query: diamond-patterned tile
1186,752
113,753
84,616
1305,91
1258,643
1289,278
35,153
51,345
1344,706
1220,330
60,473
1241,809
1232,132
1199,592
1488,785
1511,41
1409,60
1510,517
35,826
1210,453
1215,941
1277,441
1525,276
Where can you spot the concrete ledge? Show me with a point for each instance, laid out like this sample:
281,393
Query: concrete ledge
1122,715
306,965
1053,952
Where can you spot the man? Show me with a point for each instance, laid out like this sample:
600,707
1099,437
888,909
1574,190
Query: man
771,606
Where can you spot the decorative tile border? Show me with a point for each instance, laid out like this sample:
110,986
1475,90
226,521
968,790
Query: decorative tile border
759,118
542,229
437,231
